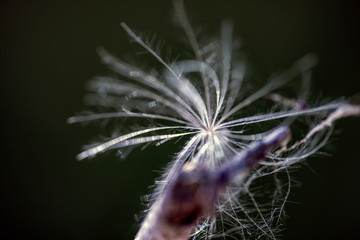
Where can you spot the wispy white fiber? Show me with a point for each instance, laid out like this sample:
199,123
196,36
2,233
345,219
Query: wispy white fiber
203,100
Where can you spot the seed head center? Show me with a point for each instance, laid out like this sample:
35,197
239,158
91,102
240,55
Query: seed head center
209,131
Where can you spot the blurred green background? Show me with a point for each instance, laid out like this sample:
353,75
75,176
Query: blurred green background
48,53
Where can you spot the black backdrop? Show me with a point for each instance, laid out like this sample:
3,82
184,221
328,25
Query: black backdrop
48,53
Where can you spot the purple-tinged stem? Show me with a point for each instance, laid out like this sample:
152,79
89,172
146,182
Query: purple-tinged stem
193,193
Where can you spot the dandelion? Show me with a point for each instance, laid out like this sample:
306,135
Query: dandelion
232,176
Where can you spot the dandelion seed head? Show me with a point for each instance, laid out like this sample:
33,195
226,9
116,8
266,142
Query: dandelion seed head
204,101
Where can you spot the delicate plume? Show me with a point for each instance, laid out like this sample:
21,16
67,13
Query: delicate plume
207,100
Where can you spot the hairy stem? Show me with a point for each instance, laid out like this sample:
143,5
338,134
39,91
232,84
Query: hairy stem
193,192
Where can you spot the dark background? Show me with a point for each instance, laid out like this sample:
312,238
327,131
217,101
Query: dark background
48,53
